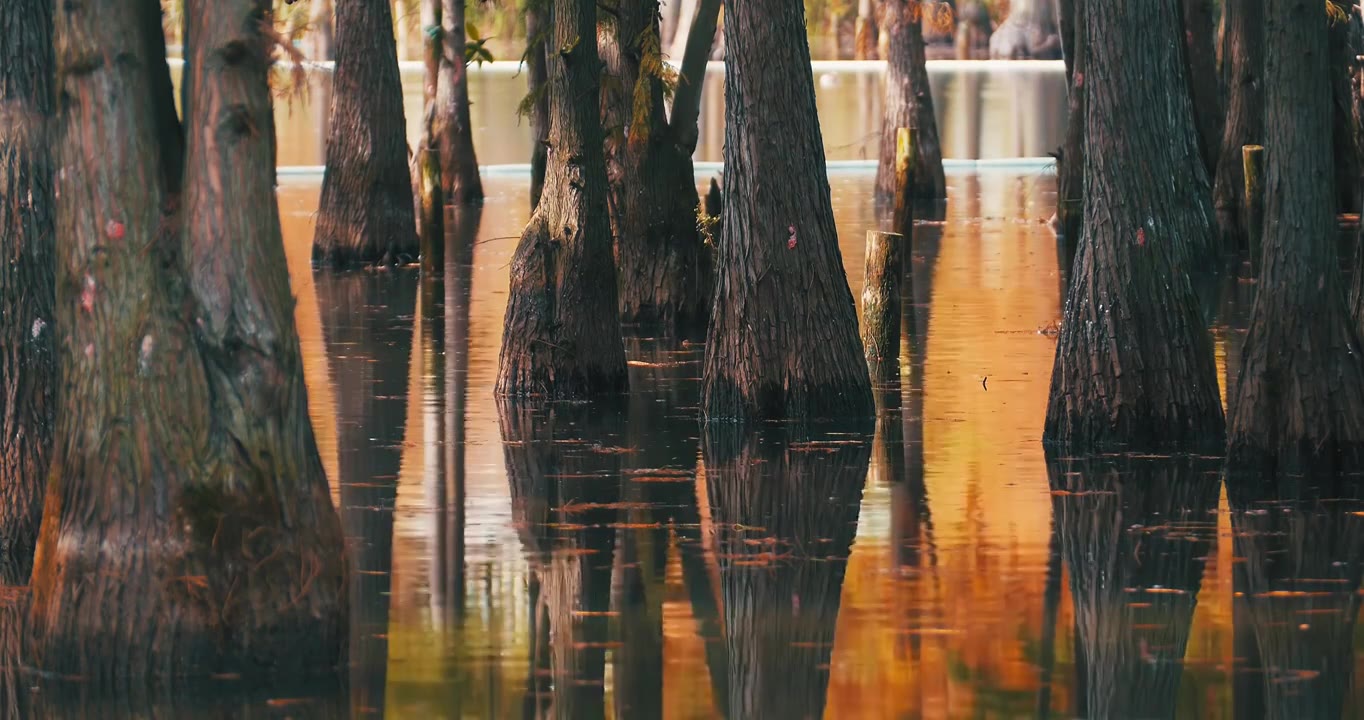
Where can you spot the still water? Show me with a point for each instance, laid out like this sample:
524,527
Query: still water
617,559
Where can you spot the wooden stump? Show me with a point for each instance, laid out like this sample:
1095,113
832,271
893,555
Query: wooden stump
1253,165
902,221
881,304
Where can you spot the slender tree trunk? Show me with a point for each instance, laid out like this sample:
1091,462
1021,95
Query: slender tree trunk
459,180
426,174
1200,70
320,30
866,31
783,340
539,27
688,9
1134,363
1029,32
561,336
908,103
365,213
202,512
1243,26
1344,134
28,367
665,269
1299,403
1070,170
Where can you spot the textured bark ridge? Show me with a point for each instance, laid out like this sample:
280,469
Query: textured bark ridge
783,339
539,24
665,269
1344,130
1243,51
780,614
561,336
1134,363
1300,398
459,180
909,104
186,487
365,213
1304,553
28,368
1135,534
1200,71
1070,163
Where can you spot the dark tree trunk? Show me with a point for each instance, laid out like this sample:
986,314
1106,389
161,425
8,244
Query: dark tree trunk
1344,134
426,172
459,180
365,213
1029,32
1200,71
202,512
665,271
1304,553
28,368
1134,363
1299,401
170,135
539,28
908,104
1135,534
783,340
1243,28
1070,162
561,336
781,585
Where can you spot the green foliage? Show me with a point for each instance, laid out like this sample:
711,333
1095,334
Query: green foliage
652,69
474,50
705,223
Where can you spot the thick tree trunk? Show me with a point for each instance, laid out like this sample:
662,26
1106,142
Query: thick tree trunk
1344,133
202,512
783,339
1029,32
539,27
561,336
459,180
1200,71
1135,534
365,213
908,103
1243,28
1070,162
1299,402
1134,363
665,268
28,363
782,585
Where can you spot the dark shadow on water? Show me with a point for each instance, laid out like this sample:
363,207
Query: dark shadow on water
1135,533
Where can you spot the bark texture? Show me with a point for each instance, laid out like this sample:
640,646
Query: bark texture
909,104
186,489
365,214
1205,87
429,202
1344,131
1070,162
28,367
561,336
1029,32
1243,32
539,26
1134,363
665,269
459,180
1299,401
783,337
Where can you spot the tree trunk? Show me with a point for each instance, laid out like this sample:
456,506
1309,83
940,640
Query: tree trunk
1134,534
1243,28
780,613
1300,398
689,9
1345,140
783,339
459,180
365,213
1134,363
202,512
561,336
1070,162
665,268
320,30
539,27
426,173
1200,71
909,104
28,369
1029,32
865,40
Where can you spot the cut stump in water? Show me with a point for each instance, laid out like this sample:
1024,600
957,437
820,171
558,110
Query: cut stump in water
902,221
1253,167
881,303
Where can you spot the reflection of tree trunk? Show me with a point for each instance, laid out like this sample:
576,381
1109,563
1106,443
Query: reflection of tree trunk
1134,533
563,463
366,320
1304,552
785,515
1051,602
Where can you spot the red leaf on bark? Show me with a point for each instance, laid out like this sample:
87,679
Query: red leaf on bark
791,241
1141,236
114,230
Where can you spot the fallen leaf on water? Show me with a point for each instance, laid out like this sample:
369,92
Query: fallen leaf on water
286,702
